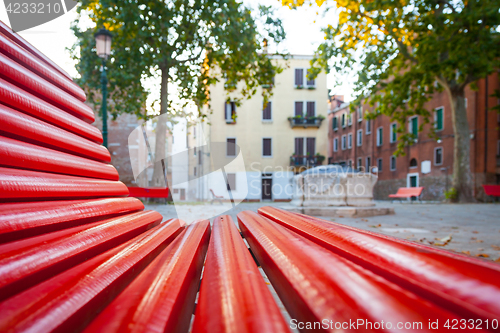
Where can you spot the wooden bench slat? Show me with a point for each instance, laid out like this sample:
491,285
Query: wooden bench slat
148,192
440,276
28,219
23,267
22,155
22,100
18,184
33,63
231,280
47,91
162,297
316,284
69,301
26,128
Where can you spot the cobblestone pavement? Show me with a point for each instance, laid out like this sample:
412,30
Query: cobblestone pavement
472,229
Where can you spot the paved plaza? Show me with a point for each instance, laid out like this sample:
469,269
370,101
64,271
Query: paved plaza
472,229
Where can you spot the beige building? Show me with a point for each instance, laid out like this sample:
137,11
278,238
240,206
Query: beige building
275,142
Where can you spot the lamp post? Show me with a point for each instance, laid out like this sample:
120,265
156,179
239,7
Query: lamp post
103,46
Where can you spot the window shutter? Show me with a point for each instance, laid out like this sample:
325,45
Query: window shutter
266,147
299,107
231,147
310,109
311,146
439,120
299,77
310,83
299,146
266,113
227,110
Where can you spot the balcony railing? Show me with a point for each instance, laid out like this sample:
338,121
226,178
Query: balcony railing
305,122
306,160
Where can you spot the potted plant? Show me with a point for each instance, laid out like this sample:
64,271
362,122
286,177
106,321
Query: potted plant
319,158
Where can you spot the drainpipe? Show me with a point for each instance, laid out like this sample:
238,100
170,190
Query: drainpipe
485,126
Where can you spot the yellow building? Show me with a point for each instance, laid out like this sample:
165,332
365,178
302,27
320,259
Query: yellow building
275,142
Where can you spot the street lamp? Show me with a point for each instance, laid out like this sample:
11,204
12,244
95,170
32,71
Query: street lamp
103,47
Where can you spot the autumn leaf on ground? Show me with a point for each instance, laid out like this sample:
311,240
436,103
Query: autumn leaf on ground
496,247
475,232
483,255
466,252
444,241
375,226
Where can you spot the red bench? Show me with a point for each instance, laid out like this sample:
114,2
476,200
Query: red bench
148,192
407,192
77,254
493,190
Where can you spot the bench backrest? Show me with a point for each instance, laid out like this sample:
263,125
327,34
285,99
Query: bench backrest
410,191
493,190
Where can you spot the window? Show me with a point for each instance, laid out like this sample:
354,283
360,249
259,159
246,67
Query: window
343,120
230,113
359,138
199,158
379,165
335,124
194,171
438,156
194,151
368,126
360,113
393,133
380,133
299,77
413,163
194,132
311,109
310,83
438,119
359,165
349,119
267,147
336,144
349,140
414,126
231,147
343,142
299,109
231,181
368,163
393,163
267,112
349,163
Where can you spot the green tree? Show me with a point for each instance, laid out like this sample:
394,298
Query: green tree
406,50
179,41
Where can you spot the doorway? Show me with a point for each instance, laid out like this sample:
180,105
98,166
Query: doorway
267,188
412,180
183,194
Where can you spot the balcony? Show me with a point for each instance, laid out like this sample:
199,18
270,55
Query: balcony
306,160
306,122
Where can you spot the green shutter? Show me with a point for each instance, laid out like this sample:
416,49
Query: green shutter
439,119
393,133
414,126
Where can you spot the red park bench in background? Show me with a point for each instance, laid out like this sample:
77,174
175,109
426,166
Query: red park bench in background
78,254
493,190
148,192
407,193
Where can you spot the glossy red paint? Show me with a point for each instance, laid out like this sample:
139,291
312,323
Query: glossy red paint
21,100
69,301
26,219
467,286
16,184
316,284
145,192
23,267
162,297
18,154
28,60
7,31
233,294
23,127
31,82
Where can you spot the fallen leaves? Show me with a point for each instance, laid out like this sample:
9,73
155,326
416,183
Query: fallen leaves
444,241
496,247
375,226
466,252
482,255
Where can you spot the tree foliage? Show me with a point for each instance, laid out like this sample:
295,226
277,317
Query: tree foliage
174,40
407,50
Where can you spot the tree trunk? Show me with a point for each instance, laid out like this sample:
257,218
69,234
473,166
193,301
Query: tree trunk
462,177
160,166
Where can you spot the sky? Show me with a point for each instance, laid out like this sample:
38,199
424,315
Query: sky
303,37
